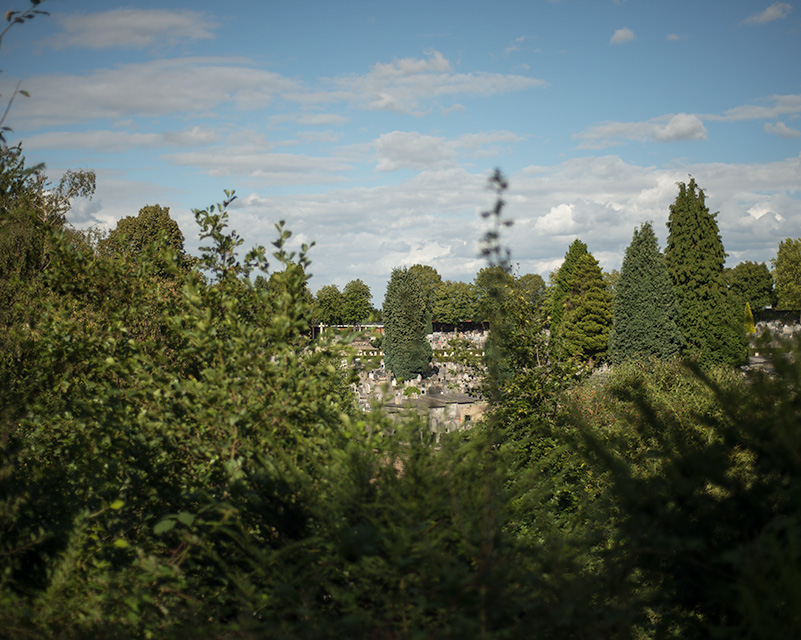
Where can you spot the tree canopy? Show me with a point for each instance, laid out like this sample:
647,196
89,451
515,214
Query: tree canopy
329,305
356,302
787,273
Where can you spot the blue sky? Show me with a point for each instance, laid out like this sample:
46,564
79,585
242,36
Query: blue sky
371,127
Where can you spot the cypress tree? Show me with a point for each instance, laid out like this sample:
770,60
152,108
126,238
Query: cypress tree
645,311
709,320
587,316
407,351
563,283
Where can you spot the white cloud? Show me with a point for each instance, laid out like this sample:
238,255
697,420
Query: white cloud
514,45
151,89
774,107
321,119
401,149
674,37
782,130
667,128
131,28
404,85
412,150
776,11
255,161
116,141
682,126
621,36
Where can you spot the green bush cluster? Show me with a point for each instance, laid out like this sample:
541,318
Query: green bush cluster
178,457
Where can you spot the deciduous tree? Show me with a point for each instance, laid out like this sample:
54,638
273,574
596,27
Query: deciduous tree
787,272
328,305
752,282
356,302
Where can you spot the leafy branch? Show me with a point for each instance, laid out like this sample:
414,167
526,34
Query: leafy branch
12,18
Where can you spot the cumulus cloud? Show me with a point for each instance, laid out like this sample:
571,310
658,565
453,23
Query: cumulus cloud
131,28
776,11
621,36
782,130
667,128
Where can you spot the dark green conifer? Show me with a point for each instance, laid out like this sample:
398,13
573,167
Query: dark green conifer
563,282
709,318
587,318
407,351
645,311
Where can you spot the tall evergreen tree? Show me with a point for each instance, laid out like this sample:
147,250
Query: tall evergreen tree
645,311
584,329
787,273
558,294
407,351
709,318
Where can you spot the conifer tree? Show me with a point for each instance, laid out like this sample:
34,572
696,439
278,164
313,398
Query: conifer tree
587,318
709,318
645,311
407,351
563,283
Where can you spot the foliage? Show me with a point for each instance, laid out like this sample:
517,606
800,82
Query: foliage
430,280
491,285
709,318
750,329
787,274
356,302
407,352
454,303
583,332
328,305
752,282
562,284
704,476
532,286
645,312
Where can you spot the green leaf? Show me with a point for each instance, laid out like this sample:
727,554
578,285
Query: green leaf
121,544
164,526
186,518
117,505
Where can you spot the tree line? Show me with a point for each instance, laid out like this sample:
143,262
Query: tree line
179,456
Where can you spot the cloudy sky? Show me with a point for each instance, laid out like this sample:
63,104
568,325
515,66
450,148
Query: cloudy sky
371,127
